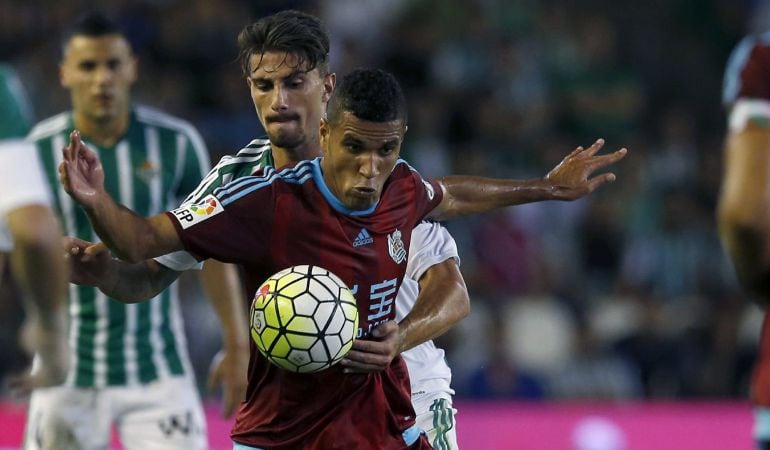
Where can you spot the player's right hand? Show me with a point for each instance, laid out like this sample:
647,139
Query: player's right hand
81,173
90,263
48,341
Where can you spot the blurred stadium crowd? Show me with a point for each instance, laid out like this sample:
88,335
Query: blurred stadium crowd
626,294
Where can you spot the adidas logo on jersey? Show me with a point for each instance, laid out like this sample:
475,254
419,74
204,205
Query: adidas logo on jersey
363,238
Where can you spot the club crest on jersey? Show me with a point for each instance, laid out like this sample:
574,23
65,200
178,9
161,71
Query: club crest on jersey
147,171
429,189
189,215
396,247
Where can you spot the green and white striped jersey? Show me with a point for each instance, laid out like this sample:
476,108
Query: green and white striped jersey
158,160
14,105
250,160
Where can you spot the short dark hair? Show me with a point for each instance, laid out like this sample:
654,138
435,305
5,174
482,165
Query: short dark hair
369,94
92,24
290,31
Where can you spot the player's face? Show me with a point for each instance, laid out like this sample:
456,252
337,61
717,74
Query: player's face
99,73
289,100
359,157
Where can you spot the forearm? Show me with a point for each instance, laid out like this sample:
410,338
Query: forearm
37,250
743,213
131,237
465,195
442,302
223,289
136,282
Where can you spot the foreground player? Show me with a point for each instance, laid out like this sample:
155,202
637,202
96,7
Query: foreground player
335,196
285,92
744,203
30,234
130,365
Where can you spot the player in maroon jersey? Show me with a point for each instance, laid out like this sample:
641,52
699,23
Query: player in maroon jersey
744,204
262,222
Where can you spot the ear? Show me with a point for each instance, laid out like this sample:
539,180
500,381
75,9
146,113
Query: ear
133,67
63,78
324,130
330,80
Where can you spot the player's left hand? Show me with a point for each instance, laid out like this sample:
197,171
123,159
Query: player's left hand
376,354
230,369
571,179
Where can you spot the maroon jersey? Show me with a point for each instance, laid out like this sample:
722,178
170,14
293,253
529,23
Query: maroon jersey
748,70
288,218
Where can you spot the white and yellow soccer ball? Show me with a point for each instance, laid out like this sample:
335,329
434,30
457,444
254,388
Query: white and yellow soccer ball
304,319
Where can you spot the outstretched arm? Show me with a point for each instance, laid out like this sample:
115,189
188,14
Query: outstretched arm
92,265
570,180
744,208
131,237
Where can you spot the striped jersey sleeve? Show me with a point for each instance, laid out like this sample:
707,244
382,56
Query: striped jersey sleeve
250,160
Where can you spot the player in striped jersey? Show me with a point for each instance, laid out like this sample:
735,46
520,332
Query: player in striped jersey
30,235
130,366
744,203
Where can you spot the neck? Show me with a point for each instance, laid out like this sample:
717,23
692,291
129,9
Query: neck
102,133
285,156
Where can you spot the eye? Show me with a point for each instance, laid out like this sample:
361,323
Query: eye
387,151
87,66
113,64
261,86
353,147
296,82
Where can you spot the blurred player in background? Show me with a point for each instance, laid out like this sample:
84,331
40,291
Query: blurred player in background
744,204
130,366
30,236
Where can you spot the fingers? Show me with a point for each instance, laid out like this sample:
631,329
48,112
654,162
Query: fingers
599,180
594,148
362,362
96,249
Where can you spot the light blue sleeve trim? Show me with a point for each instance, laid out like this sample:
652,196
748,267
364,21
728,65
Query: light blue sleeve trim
411,434
762,424
237,446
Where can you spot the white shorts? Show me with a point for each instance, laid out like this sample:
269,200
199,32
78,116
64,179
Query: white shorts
436,417
163,415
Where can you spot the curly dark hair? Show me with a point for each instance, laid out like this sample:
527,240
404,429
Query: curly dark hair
369,94
293,32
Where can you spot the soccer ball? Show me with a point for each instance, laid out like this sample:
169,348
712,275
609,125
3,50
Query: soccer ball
304,319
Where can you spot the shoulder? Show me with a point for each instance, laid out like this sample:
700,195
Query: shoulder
257,150
269,180
747,73
50,126
155,117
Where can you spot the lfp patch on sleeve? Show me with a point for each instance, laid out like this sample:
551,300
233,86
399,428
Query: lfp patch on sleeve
189,215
